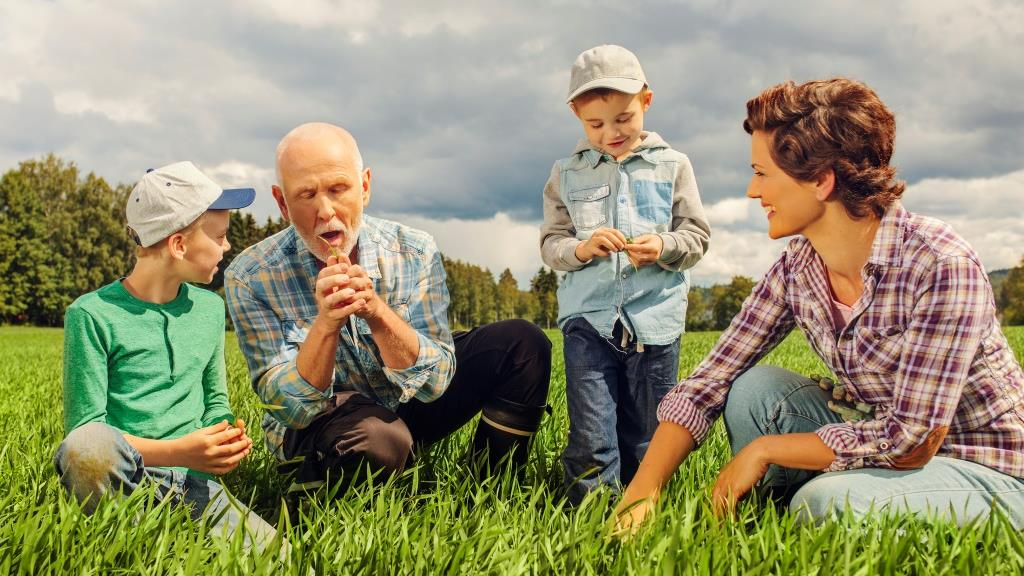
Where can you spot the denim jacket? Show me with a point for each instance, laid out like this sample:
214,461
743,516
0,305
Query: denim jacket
651,191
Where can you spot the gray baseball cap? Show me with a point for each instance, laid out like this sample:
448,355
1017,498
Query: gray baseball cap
170,198
606,66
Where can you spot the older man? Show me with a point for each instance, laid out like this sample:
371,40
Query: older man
342,318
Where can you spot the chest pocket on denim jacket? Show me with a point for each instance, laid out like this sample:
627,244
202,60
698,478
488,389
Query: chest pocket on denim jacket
589,206
654,201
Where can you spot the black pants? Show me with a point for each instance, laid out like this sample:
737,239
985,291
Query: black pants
508,360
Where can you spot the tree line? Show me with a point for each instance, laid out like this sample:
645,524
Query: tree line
62,234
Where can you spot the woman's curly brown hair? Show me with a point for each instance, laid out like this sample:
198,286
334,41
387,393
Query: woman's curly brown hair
838,124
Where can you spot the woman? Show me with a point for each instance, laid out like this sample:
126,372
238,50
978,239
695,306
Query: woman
896,304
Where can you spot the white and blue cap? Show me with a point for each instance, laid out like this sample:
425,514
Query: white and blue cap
170,198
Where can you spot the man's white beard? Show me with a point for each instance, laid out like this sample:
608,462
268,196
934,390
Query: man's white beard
351,238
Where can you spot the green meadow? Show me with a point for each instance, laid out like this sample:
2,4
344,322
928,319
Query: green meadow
434,518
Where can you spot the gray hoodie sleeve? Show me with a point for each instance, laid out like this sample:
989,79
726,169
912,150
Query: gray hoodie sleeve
688,241
557,236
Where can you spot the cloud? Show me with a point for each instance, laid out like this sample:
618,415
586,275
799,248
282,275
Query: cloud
985,211
493,243
458,106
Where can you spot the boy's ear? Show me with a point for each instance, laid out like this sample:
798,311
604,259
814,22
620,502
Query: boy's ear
646,99
824,185
572,106
176,245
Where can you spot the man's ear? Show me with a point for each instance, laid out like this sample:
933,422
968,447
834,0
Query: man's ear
279,198
367,177
824,185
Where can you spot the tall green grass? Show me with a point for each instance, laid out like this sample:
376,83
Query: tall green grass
435,519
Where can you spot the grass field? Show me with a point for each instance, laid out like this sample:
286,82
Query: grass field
436,520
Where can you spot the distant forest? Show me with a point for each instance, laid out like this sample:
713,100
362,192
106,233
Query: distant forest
62,234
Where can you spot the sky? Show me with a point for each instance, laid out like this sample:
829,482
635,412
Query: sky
459,110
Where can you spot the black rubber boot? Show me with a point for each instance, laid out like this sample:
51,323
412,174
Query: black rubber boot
504,433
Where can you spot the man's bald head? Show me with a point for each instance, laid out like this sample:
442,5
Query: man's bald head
318,136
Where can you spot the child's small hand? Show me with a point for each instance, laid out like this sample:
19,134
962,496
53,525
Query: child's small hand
601,244
216,449
645,249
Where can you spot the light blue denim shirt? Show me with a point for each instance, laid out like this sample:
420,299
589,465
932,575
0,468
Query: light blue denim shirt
651,191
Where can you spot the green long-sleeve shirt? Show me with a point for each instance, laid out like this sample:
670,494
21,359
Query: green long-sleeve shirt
150,370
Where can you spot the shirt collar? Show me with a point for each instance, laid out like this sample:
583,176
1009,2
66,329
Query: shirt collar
648,146
887,247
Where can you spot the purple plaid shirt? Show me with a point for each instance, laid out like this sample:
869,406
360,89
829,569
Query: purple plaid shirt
923,346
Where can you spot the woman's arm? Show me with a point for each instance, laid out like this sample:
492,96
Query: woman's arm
803,451
670,446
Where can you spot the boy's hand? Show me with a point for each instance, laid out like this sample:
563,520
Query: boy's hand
645,249
601,244
336,290
215,449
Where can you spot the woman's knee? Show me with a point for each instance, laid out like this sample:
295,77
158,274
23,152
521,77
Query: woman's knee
754,394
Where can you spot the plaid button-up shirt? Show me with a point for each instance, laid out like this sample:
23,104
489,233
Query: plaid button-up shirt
270,294
923,346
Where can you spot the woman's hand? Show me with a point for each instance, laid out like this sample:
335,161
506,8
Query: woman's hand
630,516
738,477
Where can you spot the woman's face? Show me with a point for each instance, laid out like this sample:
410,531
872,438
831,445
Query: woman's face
791,206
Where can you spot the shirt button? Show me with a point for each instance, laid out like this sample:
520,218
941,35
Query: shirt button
884,444
623,275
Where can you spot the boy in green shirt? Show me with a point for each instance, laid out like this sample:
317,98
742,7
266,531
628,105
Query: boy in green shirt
144,379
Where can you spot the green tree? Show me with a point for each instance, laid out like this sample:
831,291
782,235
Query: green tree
728,299
60,236
544,285
508,295
698,309
1011,296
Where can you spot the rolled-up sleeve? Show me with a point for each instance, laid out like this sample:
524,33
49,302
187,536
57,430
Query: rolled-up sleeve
940,342
763,322
434,367
272,358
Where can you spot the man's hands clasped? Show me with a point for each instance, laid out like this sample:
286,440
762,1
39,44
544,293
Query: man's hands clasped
344,289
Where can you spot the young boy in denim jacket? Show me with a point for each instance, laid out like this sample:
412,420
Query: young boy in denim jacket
145,399
623,219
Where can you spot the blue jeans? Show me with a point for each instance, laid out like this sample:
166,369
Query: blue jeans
95,459
768,400
612,394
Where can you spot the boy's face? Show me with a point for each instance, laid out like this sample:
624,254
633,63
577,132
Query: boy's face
205,246
613,123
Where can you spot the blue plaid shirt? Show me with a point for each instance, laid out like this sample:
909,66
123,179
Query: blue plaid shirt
270,294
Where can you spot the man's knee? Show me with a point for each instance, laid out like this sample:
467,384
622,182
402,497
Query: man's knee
386,444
